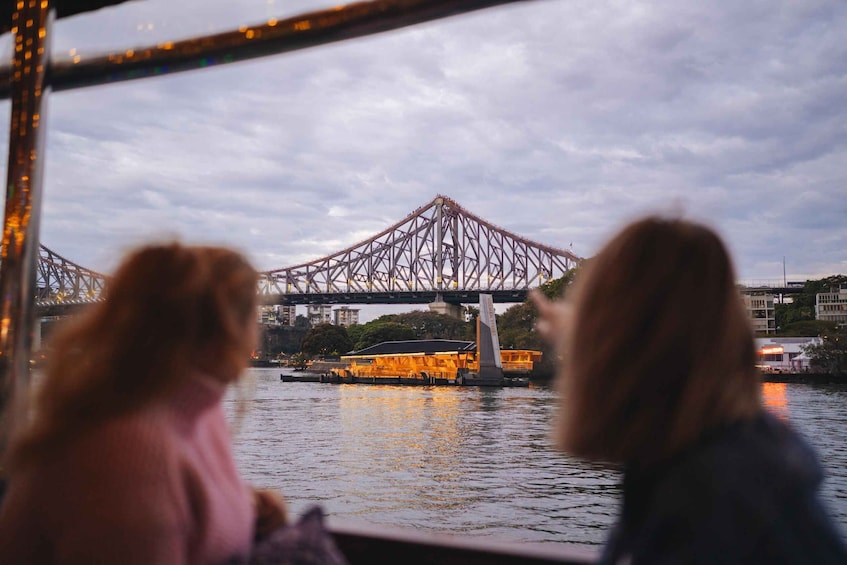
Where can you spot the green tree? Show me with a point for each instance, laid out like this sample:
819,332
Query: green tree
377,332
355,332
806,328
431,325
556,288
516,327
326,340
831,355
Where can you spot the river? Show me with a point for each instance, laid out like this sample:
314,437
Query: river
466,460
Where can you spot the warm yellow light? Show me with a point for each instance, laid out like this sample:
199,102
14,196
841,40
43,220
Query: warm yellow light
772,350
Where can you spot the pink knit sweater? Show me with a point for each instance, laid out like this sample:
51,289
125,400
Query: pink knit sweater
159,486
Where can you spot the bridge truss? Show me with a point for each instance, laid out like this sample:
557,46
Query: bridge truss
62,284
440,251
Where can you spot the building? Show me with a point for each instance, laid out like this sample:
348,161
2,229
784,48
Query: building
265,315
287,314
278,315
345,316
759,306
832,306
784,354
319,314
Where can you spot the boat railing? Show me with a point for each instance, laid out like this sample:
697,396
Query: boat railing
367,544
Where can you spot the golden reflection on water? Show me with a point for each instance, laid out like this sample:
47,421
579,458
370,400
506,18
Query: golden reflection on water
403,433
367,412
775,399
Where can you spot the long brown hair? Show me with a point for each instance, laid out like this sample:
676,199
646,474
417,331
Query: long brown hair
170,310
660,349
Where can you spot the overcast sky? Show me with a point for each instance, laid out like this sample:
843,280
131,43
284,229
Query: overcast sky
556,119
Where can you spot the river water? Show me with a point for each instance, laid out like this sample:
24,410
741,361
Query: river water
466,460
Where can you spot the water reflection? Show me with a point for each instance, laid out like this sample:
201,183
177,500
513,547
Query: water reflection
775,399
466,460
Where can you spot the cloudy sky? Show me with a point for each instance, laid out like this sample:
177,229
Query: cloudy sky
556,119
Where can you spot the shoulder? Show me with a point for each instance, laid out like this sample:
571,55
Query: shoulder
111,491
746,492
135,445
131,458
748,470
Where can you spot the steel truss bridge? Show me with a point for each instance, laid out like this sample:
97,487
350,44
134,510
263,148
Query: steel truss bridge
439,252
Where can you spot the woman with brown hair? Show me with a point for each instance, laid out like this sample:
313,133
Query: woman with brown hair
657,374
127,457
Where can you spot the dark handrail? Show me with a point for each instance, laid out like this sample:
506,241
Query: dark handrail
248,42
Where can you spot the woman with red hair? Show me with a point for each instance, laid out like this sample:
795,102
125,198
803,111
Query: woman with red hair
127,458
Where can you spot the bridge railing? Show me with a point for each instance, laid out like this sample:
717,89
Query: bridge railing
770,283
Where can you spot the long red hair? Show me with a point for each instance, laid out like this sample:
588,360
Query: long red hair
169,310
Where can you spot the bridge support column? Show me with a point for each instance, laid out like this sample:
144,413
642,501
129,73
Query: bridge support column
453,310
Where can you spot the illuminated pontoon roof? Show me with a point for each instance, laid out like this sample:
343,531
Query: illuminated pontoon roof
416,346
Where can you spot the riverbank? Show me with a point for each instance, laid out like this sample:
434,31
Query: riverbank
806,378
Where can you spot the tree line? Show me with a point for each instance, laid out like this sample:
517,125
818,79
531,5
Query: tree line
516,328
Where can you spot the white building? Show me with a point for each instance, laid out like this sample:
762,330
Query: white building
784,354
832,306
319,314
760,310
345,316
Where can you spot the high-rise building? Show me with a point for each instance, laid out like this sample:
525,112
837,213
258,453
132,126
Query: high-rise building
345,316
319,314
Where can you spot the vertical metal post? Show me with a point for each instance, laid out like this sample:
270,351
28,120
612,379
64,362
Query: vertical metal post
30,26
439,238
457,271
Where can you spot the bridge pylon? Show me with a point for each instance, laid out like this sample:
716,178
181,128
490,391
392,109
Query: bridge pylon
440,306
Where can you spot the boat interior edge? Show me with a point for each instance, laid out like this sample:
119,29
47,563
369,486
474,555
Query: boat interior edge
360,545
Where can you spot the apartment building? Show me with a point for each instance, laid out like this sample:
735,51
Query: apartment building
832,306
319,314
345,316
759,306
277,315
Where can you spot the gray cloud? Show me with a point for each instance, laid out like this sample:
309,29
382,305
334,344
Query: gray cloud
556,120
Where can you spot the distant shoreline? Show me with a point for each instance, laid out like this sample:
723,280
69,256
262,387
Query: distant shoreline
806,378
801,378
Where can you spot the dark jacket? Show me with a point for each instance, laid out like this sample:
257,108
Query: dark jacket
743,494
